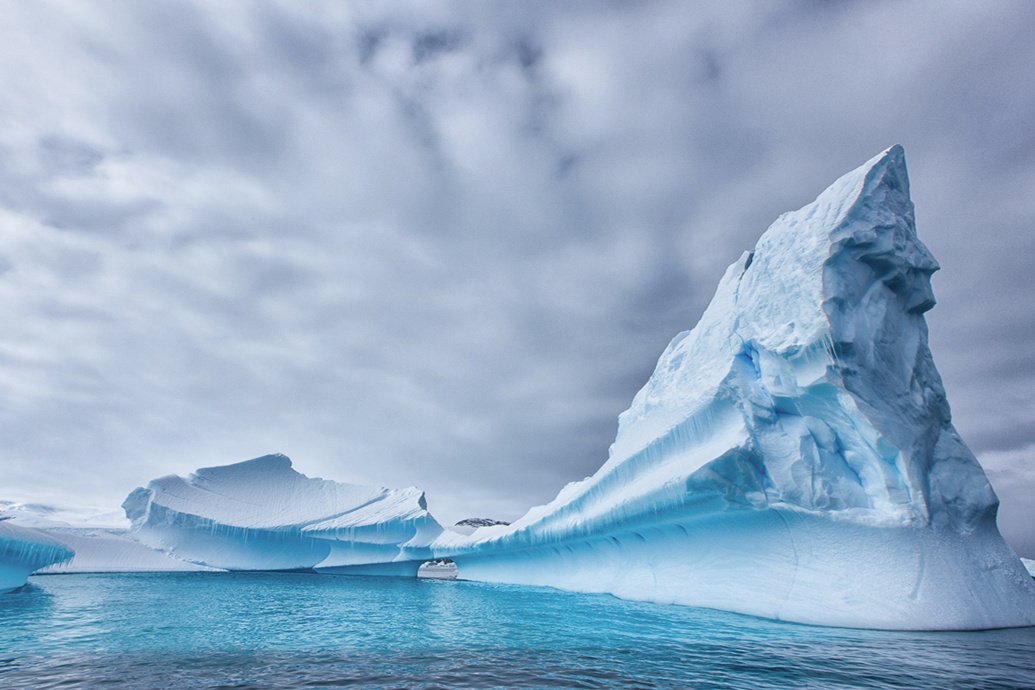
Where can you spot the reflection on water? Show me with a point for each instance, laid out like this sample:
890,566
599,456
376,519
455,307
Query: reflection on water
302,630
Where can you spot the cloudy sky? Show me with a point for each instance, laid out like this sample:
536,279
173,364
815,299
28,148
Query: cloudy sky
444,243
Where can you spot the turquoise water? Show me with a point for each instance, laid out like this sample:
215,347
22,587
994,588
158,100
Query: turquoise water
261,630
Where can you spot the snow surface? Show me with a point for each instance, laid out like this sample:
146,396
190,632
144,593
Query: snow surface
98,537
43,516
1029,565
263,515
24,551
792,456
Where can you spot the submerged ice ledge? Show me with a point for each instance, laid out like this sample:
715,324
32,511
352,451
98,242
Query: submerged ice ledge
792,456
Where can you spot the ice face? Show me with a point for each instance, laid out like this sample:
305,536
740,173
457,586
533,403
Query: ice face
792,456
263,515
23,551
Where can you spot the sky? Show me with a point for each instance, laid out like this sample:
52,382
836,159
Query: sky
444,243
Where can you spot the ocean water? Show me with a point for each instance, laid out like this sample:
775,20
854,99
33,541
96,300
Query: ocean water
293,630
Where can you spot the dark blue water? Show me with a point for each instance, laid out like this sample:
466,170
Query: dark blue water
301,630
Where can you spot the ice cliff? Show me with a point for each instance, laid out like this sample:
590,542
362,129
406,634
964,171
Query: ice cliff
792,456
23,551
263,515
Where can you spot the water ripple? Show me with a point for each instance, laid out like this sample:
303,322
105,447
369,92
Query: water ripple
298,630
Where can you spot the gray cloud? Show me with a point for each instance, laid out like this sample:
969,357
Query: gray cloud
445,244
1012,474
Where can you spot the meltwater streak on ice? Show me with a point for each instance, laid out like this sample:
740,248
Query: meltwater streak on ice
792,456
263,515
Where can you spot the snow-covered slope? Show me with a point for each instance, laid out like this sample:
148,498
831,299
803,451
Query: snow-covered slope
45,516
792,456
98,537
23,551
263,515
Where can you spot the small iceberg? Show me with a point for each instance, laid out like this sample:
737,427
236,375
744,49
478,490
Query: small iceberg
261,514
23,551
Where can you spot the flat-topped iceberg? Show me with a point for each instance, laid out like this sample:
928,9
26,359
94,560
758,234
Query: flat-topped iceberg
792,456
263,515
23,551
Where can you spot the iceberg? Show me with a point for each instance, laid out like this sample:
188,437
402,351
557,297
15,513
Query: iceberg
261,514
99,539
23,551
793,455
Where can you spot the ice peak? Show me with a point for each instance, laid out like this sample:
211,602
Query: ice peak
886,168
820,324
871,182
890,162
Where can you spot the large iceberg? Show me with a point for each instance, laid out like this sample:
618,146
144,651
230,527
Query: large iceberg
792,456
23,551
263,515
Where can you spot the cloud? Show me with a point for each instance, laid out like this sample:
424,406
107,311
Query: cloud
445,244
1012,474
